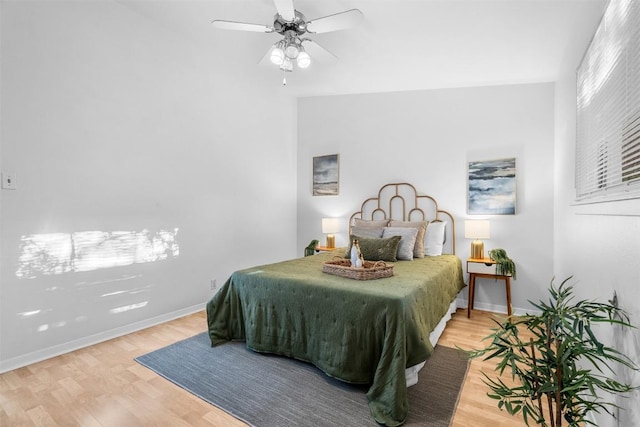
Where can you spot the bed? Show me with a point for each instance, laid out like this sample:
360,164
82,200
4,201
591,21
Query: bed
375,332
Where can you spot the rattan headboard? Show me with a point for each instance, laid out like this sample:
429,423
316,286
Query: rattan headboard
401,201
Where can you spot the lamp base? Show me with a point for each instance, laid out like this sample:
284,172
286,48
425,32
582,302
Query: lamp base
477,249
331,241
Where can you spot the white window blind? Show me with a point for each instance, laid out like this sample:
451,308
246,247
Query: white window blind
608,102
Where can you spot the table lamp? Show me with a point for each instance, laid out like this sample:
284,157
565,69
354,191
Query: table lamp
329,227
477,229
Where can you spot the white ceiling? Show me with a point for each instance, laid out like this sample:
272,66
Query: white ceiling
401,44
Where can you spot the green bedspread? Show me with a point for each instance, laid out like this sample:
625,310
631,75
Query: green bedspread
363,332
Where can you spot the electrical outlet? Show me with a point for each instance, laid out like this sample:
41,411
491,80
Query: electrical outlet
9,181
614,302
214,284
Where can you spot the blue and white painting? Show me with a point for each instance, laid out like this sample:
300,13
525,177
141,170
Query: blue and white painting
325,175
492,187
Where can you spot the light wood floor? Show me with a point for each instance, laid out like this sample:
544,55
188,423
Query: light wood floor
102,385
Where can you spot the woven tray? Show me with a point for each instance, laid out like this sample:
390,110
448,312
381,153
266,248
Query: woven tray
369,271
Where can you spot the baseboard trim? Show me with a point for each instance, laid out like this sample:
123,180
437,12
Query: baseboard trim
498,309
57,350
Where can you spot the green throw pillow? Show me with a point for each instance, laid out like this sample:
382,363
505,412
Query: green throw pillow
374,249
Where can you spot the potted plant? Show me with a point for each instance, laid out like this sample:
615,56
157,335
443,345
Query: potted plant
557,364
504,265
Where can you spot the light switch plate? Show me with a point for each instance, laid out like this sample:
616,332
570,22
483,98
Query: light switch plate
9,181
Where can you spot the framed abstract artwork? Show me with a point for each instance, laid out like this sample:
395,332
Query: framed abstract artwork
491,187
326,175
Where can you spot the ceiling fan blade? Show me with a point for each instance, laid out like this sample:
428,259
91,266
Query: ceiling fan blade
318,53
335,22
285,9
241,26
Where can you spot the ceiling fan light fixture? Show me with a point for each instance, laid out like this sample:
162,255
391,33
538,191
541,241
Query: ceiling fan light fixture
288,52
304,60
286,65
292,50
277,55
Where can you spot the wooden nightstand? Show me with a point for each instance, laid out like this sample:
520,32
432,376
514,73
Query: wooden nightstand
485,267
323,249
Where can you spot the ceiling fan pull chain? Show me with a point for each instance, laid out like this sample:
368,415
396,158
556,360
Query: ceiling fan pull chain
284,78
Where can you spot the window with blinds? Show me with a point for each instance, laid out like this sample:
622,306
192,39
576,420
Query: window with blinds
608,102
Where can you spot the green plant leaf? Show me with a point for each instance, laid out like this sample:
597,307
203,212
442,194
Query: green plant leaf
560,359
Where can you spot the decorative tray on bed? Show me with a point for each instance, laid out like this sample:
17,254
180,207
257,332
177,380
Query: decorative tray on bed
369,271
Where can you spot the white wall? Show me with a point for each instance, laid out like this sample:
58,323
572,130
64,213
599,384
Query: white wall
599,245
427,138
113,123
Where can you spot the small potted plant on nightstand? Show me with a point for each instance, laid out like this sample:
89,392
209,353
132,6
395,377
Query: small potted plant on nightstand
557,365
504,265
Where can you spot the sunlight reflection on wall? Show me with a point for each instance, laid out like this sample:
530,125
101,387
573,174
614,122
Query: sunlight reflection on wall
57,253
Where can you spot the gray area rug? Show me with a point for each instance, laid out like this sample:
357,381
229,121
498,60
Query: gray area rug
274,391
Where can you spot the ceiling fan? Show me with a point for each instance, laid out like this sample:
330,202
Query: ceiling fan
293,26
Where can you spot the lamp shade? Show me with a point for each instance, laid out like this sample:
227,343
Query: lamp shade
330,225
477,229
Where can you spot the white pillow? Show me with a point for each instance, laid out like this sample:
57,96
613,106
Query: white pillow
407,240
434,240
